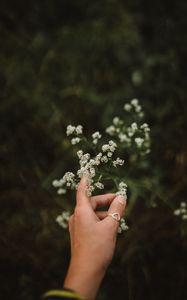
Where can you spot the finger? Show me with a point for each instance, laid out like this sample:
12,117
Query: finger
70,223
117,206
101,214
81,196
102,200
71,230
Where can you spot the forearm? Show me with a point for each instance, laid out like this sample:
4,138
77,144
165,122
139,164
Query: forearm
84,279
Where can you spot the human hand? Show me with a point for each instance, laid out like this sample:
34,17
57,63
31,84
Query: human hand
93,238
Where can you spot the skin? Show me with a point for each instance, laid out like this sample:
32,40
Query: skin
93,239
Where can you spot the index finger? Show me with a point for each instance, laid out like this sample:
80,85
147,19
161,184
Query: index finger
81,196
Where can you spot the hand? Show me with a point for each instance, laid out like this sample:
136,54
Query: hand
93,238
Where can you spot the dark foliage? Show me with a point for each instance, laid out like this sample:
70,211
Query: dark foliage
76,62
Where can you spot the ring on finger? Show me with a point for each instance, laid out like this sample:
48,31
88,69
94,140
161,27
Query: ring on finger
115,216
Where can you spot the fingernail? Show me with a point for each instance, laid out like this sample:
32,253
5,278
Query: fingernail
122,199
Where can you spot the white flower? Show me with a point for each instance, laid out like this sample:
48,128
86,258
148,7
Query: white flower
112,143
99,185
92,172
130,132
62,219
144,125
119,230
61,191
122,189
92,162
123,224
121,193
75,141
59,218
104,159
147,151
69,178
124,138
110,130
82,171
56,183
117,162
183,205
80,154
146,129
132,129
134,126
70,129
96,135
138,108
90,190
134,102
98,156
105,148
181,211
177,212
139,141
147,136
109,154
117,121
86,156
127,107
79,129
97,160
112,146
122,185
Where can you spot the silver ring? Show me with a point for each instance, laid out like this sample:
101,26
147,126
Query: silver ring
115,216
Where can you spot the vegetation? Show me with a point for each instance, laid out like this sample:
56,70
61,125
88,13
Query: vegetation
77,62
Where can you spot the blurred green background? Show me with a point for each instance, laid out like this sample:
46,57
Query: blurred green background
69,62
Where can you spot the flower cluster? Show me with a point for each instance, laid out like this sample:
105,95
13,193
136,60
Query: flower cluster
118,162
135,134
67,181
96,136
134,106
123,226
74,130
101,159
122,189
181,211
88,165
62,219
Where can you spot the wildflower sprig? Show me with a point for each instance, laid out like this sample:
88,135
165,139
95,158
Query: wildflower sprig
181,211
101,156
134,135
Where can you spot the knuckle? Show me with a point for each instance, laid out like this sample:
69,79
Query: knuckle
79,210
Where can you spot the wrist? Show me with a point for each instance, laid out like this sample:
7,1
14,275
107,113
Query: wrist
84,278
